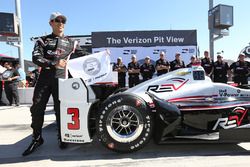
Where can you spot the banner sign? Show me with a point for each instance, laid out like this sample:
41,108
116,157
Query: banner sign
153,52
92,68
144,38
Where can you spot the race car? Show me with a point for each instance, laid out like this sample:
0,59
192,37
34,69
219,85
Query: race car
182,106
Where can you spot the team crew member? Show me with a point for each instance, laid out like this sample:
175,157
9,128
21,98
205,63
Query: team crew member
121,69
240,70
207,64
50,53
133,72
192,61
22,77
220,70
177,63
11,83
147,69
162,65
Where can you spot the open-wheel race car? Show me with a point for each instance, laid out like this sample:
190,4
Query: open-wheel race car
182,106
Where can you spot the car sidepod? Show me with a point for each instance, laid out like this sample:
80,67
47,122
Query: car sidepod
168,119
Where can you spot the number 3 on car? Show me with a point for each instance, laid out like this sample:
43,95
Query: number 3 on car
75,124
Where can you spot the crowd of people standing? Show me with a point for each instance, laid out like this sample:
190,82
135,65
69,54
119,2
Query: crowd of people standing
13,77
10,80
218,71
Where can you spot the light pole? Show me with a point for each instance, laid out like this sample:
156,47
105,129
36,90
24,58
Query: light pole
20,43
220,18
211,34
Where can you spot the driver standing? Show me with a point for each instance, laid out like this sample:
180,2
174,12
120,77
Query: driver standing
50,53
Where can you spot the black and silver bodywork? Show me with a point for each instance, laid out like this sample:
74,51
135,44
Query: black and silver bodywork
180,106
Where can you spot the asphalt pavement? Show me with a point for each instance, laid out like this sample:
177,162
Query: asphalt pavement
15,136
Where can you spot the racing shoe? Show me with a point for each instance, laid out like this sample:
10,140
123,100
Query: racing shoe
61,144
33,145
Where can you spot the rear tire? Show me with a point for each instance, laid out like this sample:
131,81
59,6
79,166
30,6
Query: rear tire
124,123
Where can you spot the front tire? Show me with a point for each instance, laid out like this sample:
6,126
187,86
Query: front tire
124,123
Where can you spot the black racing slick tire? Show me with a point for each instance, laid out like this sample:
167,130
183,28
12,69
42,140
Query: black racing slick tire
124,123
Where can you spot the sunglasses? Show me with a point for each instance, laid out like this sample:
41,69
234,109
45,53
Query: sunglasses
60,21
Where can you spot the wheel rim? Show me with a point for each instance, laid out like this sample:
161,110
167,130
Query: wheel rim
124,124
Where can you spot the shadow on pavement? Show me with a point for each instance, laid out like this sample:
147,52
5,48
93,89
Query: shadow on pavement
95,151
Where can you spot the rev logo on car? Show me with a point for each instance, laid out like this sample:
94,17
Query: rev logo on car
232,121
172,84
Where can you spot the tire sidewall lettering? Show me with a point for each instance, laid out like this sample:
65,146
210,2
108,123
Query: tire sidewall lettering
143,110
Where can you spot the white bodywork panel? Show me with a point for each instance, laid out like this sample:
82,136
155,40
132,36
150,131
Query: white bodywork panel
180,84
74,122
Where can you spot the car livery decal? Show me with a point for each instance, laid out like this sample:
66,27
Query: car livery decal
173,84
210,100
214,107
232,121
191,98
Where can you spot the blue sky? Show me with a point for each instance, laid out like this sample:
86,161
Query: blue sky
86,16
